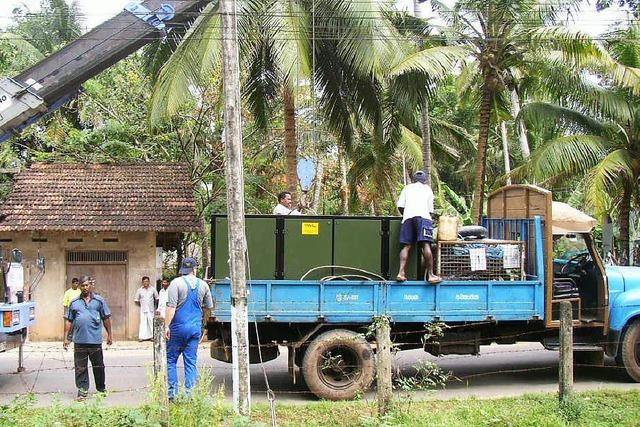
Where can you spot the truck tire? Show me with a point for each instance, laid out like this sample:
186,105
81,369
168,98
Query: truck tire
469,232
630,351
338,365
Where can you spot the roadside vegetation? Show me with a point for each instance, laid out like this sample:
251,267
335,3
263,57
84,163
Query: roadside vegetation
600,408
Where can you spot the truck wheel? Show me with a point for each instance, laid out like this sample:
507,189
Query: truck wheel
338,365
630,351
468,232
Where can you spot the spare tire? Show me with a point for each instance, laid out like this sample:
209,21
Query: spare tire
470,232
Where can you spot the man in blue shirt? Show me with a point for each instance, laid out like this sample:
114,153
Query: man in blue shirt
86,315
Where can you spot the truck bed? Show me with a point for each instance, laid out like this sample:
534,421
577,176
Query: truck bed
310,301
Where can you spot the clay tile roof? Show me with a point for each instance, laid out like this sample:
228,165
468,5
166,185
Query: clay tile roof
101,197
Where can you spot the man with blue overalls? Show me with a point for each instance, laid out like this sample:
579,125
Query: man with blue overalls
187,295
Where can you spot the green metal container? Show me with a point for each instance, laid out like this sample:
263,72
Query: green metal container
307,244
357,243
261,245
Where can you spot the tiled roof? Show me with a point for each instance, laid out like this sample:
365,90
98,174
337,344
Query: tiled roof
101,197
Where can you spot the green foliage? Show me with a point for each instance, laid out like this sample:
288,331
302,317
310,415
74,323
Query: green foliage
55,24
427,376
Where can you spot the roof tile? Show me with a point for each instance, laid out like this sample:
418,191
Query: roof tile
101,197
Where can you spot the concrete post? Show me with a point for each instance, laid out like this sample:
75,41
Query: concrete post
234,177
566,351
383,358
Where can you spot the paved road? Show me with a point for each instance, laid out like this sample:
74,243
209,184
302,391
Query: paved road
499,371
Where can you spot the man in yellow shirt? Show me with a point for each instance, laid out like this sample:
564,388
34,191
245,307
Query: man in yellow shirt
70,294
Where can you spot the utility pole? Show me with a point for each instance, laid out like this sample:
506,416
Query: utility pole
235,207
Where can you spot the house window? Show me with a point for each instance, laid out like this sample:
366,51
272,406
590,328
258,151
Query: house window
39,239
96,257
110,240
74,240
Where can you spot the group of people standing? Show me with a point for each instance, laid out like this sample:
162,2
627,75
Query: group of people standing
182,303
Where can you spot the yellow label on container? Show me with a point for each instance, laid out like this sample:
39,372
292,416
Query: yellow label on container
310,228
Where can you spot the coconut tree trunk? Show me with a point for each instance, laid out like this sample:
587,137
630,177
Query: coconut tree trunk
505,150
317,189
290,142
425,128
481,157
522,130
625,209
344,186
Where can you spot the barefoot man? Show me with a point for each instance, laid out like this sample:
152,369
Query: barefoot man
415,205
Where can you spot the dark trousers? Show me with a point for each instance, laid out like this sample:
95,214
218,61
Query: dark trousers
82,353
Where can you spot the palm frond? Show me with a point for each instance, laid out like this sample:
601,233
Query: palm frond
189,67
604,178
562,157
541,113
435,62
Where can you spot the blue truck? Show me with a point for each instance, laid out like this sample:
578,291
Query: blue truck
318,282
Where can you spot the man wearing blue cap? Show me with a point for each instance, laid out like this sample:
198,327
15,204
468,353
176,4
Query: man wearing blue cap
416,204
187,296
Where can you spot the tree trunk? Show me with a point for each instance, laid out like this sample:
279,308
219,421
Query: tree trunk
204,247
344,186
290,143
425,128
179,255
505,150
481,158
522,130
317,189
625,209
425,125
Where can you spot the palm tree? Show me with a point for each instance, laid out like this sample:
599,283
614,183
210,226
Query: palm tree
503,36
353,46
597,135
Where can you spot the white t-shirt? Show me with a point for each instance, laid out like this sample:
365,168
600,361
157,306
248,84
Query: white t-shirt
417,200
283,210
163,297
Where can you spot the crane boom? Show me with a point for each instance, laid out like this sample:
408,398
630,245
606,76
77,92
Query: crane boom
46,86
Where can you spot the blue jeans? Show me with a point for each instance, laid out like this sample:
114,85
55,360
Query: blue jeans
188,347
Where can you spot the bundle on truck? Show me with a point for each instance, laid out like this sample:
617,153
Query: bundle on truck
317,282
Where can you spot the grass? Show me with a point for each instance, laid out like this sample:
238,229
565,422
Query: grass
599,408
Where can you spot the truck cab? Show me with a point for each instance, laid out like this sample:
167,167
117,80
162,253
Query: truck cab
606,300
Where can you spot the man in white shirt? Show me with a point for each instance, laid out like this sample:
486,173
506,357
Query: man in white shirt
285,203
163,297
146,297
416,204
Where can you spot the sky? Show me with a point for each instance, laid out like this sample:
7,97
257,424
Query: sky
96,11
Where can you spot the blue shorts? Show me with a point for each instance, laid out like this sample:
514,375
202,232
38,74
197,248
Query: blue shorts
416,229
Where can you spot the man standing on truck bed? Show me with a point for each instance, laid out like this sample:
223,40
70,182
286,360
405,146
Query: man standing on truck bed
187,295
285,205
416,204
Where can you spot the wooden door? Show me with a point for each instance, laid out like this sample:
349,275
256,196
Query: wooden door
111,284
